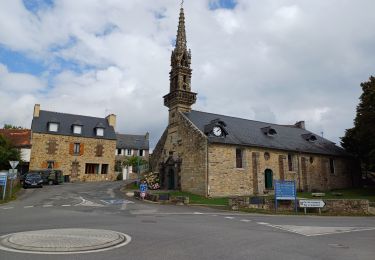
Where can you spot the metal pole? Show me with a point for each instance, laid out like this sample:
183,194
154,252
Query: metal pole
138,172
11,186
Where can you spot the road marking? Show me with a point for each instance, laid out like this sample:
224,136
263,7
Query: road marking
245,220
88,203
117,202
66,205
310,231
198,213
229,217
47,205
263,223
7,208
26,207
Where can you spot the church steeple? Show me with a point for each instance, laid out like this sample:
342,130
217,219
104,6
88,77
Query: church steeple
180,98
181,34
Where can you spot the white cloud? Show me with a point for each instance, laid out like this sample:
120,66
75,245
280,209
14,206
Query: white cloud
18,83
267,60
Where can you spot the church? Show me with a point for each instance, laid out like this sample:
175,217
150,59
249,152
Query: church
217,155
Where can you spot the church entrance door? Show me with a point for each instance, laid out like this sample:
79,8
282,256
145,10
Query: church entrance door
171,179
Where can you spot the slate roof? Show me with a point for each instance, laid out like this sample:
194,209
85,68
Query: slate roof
20,138
40,125
249,133
126,141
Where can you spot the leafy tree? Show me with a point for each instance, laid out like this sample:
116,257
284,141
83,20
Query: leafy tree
133,161
7,153
360,140
10,126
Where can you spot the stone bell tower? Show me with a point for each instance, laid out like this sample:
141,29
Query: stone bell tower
180,98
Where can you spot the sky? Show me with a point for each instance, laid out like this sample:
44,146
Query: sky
277,61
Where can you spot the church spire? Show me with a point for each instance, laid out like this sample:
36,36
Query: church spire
180,98
181,34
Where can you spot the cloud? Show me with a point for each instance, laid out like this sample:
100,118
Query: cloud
267,60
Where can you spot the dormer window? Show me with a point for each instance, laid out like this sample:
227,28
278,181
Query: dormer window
269,131
309,137
77,129
53,127
216,128
99,131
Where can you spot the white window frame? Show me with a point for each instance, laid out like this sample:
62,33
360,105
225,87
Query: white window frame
99,131
53,127
77,129
129,152
77,148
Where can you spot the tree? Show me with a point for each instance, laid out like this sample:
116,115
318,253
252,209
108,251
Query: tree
133,161
7,153
10,126
360,140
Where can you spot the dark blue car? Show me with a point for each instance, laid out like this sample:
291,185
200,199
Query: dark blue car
33,179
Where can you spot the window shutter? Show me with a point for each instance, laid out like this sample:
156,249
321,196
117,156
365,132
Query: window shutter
56,166
44,165
81,149
71,148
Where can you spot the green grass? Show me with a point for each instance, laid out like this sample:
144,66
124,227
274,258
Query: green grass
8,198
195,199
358,193
131,186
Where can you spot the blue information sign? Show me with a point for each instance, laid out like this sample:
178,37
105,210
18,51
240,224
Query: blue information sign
3,182
285,190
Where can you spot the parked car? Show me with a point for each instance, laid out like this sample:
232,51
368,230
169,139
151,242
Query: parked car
33,179
51,176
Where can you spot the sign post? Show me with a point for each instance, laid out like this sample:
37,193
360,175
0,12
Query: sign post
285,190
312,204
12,174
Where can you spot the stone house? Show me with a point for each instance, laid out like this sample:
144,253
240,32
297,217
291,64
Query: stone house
132,145
20,139
129,145
217,155
81,146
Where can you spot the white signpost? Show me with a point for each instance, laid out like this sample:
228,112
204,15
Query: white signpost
311,204
12,174
13,164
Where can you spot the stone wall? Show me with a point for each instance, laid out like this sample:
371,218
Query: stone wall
158,153
332,206
58,148
183,140
192,148
310,171
346,207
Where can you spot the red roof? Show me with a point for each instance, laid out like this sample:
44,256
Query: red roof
18,137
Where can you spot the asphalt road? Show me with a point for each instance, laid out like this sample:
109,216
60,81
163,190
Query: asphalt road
182,232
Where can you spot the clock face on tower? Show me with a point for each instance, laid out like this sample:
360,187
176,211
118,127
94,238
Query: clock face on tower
217,131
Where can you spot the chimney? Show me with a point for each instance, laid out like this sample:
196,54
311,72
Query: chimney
300,124
111,120
36,110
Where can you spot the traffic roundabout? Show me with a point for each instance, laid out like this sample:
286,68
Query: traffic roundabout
63,241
